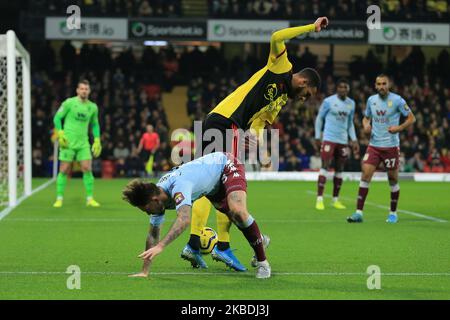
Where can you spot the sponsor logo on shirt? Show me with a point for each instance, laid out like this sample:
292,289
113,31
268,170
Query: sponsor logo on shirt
81,116
381,113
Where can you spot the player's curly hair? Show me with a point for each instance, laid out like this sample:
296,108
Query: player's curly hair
138,192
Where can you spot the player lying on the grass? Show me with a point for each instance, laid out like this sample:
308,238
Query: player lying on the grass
338,111
381,120
252,105
78,114
219,177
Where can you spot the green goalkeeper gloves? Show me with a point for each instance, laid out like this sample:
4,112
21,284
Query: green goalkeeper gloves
62,139
96,147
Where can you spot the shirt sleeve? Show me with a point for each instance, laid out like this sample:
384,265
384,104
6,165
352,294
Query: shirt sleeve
182,194
403,107
351,124
257,128
368,112
61,114
323,110
95,124
278,61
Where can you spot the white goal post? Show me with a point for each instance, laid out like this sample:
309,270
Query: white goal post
15,121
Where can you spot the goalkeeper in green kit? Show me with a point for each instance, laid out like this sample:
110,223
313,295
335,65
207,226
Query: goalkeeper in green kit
78,113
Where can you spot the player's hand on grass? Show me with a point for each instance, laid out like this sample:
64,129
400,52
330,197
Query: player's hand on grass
151,253
62,139
394,129
96,147
321,23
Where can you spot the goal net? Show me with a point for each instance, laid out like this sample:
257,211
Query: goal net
15,121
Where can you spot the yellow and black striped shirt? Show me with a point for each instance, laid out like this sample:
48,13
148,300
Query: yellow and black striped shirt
259,100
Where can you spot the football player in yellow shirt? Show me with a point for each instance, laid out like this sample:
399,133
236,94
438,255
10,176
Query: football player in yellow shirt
251,106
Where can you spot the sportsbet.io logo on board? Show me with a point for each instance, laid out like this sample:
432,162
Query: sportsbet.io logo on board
138,29
220,30
169,29
389,33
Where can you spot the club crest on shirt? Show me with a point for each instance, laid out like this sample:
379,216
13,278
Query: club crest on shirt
389,103
178,197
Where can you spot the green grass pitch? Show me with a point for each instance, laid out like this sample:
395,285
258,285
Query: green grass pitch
314,255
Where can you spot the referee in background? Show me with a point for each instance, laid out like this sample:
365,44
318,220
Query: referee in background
148,145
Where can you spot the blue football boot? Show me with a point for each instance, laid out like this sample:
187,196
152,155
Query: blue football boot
356,217
194,257
392,218
227,257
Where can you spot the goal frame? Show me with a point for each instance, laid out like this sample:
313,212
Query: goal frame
14,49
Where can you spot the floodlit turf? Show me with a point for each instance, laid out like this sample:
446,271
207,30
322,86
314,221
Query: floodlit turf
314,255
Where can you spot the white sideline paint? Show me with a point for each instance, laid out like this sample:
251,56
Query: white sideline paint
347,176
6,211
411,213
141,221
201,273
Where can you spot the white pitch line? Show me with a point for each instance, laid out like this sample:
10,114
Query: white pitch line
411,213
200,273
8,210
140,221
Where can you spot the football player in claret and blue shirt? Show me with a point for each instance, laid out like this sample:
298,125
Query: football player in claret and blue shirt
382,122
218,176
337,111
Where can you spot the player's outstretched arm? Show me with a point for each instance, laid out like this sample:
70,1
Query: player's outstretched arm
151,241
277,45
181,223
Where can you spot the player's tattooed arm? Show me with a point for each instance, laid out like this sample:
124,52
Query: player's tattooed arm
151,241
181,223
177,228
